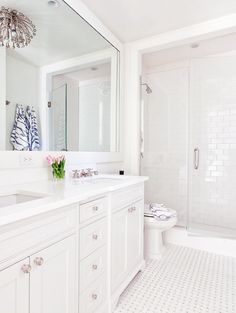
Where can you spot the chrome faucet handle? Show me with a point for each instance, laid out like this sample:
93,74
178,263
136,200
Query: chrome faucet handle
83,173
75,173
91,172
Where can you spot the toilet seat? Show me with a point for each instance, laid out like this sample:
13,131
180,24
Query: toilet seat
159,224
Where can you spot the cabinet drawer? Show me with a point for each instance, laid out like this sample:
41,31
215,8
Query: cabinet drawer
93,209
28,234
124,197
92,237
93,296
92,267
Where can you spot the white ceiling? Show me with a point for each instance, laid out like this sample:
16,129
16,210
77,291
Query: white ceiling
218,45
92,72
135,19
61,33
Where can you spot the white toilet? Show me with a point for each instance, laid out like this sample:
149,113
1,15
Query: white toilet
153,238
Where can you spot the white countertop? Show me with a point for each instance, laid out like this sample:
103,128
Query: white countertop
58,194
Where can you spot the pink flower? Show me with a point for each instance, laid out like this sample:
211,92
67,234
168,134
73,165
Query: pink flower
49,159
61,158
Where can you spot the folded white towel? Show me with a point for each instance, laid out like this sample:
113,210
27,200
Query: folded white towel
164,213
160,212
157,205
154,207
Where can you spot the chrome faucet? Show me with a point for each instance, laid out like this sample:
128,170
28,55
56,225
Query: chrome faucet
75,174
88,172
91,172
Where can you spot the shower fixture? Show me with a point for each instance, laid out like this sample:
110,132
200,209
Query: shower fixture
148,89
53,3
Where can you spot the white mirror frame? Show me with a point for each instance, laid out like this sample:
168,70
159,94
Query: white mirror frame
3,98
98,157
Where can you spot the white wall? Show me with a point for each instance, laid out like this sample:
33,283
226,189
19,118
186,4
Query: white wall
22,167
22,91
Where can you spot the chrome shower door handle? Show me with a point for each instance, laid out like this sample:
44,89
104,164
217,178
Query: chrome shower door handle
196,158
142,146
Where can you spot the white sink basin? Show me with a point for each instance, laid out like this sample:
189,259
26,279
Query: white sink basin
102,180
17,198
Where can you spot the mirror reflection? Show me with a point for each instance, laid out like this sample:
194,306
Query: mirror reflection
61,81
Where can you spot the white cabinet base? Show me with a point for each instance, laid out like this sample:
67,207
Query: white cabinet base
116,295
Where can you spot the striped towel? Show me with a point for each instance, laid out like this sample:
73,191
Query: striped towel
32,128
19,134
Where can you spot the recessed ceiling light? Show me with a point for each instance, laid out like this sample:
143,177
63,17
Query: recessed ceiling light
53,3
94,68
194,45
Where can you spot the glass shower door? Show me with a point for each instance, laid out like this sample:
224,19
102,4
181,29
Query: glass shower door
58,117
164,131
212,144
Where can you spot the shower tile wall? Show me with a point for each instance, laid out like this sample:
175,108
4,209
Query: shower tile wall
165,139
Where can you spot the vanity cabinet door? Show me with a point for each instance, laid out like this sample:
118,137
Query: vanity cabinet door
53,278
126,242
119,242
135,234
14,288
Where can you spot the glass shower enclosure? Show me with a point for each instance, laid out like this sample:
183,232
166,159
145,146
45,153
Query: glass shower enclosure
212,146
188,130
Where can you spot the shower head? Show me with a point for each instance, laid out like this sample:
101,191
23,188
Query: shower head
148,89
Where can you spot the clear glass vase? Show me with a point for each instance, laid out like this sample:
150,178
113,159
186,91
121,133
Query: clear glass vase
58,175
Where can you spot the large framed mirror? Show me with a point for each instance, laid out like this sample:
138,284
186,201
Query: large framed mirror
60,92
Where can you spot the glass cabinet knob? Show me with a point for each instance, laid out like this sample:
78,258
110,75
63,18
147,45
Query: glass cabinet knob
95,236
94,296
38,261
26,268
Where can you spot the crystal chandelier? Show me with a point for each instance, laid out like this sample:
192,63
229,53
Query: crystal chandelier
16,29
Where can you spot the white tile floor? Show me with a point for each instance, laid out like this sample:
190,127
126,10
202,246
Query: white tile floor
183,281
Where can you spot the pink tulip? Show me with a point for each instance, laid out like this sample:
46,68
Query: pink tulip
51,159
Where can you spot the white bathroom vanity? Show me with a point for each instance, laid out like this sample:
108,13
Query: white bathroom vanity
72,246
